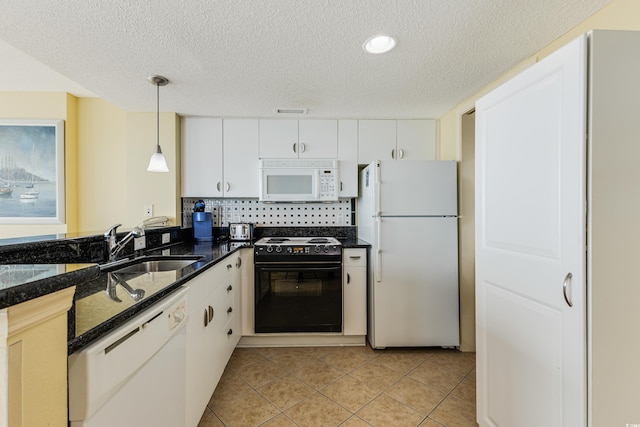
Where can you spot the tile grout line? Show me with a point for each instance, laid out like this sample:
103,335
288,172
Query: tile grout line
318,390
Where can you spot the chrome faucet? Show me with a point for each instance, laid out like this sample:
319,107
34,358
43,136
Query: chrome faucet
113,245
113,280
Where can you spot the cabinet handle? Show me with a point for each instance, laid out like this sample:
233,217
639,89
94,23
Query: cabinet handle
238,262
229,266
354,256
393,153
229,288
295,150
401,153
206,318
210,314
348,278
218,186
302,147
340,186
565,285
227,186
229,310
230,331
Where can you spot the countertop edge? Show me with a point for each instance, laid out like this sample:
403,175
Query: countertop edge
45,286
92,335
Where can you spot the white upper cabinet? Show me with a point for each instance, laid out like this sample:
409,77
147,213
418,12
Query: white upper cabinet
278,139
292,139
318,139
416,140
348,157
240,155
202,157
219,158
396,140
376,140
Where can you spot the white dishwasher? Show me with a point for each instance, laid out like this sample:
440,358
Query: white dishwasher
134,376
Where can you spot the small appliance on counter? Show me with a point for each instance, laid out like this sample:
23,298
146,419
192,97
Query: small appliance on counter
201,223
241,232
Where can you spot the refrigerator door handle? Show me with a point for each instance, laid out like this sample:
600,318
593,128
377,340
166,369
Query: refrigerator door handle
378,192
378,251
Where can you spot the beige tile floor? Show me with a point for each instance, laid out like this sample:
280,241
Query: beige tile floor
344,386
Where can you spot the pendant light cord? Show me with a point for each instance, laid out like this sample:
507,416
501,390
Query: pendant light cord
158,118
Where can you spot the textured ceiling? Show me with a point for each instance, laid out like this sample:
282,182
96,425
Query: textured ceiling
246,58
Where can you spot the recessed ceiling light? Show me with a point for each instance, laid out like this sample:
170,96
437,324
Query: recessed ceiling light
379,44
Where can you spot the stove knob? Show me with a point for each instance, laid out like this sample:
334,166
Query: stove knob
269,249
278,249
326,249
290,249
316,249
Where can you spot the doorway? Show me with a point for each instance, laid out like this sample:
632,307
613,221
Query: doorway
466,232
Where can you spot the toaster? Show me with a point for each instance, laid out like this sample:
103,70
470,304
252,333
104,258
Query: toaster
242,231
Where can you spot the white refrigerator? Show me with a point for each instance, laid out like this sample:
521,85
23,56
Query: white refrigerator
407,211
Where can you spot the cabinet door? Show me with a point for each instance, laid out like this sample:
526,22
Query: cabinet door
201,157
348,157
278,139
530,245
240,157
196,394
247,293
376,140
354,292
416,140
318,139
217,341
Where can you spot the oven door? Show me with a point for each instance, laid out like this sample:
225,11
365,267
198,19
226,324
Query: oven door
298,298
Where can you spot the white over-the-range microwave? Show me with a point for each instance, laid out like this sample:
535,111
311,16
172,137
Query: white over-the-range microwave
299,180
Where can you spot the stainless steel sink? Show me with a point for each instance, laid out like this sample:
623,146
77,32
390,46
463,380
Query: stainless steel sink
151,264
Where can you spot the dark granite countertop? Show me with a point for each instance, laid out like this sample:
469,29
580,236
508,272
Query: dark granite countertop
96,309
23,282
95,313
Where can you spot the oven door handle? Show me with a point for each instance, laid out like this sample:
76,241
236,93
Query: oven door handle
293,269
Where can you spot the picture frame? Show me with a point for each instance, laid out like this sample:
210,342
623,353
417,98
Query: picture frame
32,187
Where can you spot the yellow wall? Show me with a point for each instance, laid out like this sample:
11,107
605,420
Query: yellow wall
106,155
162,190
618,15
114,151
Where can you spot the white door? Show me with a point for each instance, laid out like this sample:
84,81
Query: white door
530,246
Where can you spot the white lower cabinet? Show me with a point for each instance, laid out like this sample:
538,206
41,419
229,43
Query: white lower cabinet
211,334
246,272
354,285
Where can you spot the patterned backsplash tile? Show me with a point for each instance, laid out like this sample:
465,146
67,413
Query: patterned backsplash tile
226,211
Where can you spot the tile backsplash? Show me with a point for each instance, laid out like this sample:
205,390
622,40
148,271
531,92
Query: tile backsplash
226,211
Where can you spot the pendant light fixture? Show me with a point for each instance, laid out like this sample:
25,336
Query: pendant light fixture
157,162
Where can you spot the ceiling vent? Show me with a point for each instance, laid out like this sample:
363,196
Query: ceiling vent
291,111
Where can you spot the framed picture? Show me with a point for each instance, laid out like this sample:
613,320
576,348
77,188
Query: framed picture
32,172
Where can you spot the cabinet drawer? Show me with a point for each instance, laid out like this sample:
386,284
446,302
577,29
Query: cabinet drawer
354,258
